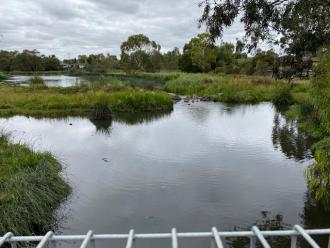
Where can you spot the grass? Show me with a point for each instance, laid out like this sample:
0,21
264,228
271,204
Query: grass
231,89
36,80
3,76
56,102
101,111
31,188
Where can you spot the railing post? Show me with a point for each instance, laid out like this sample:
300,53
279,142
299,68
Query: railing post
307,237
130,239
87,239
174,238
293,241
217,238
252,242
13,245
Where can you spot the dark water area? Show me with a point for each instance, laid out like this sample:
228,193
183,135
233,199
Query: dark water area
203,165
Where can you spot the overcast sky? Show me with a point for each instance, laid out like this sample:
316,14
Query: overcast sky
71,27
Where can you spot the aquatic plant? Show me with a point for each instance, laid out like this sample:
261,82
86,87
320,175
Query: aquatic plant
36,81
3,76
233,89
282,96
101,111
31,188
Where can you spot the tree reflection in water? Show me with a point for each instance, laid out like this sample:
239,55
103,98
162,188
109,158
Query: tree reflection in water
286,136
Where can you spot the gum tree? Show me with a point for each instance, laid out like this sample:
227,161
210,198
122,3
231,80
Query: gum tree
300,27
139,53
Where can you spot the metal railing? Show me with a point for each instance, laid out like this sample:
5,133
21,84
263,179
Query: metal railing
255,236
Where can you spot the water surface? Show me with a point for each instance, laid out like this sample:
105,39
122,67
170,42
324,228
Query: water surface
50,80
203,165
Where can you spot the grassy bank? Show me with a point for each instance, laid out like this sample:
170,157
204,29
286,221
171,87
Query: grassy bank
52,102
232,89
312,109
30,188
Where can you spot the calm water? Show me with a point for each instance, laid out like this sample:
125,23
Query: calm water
50,81
203,165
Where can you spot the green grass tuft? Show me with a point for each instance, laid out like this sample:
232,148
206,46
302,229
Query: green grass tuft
3,76
31,188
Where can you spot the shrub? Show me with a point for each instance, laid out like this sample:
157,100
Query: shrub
3,76
101,111
282,96
36,80
318,174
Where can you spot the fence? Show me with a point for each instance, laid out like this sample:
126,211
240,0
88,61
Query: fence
89,239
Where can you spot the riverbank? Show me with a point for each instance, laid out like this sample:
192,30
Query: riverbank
80,100
230,89
31,188
312,110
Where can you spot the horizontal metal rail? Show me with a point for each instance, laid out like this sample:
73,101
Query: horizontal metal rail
255,235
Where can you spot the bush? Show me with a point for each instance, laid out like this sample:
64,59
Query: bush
282,96
318,174
314,117
101,111
3,76
36,80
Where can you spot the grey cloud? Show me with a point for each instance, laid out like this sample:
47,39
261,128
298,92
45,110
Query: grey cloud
72,27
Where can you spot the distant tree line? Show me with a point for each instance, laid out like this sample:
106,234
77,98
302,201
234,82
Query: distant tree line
28,60
141,54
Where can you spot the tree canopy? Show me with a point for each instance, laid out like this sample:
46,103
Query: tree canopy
139,53
299,26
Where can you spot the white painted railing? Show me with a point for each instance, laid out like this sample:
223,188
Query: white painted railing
89,239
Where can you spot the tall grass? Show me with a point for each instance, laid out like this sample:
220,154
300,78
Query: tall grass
36,80
101,111
224,88
3,76
30,189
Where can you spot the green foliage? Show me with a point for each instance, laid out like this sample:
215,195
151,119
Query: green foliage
139,53
318,174
28,61
3,76
303,25
101,111
53,102
170,60
223,88
198,55
96,63
300,27
282,96
36,80
313,112
51,63
30,189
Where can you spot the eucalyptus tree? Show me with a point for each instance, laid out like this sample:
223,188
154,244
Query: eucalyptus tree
139,53
199,55
300,27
